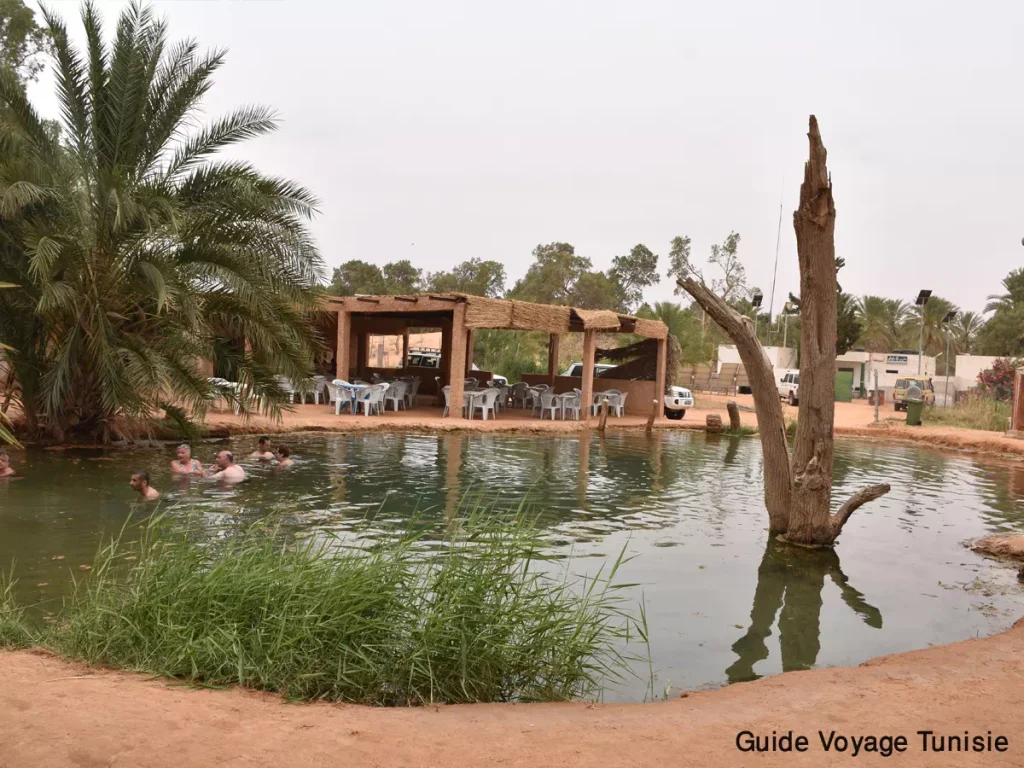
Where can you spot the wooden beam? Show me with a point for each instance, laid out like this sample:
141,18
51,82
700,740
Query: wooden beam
659,379
341,357
553,344
589,349
405,348
409,299
457,368
469,350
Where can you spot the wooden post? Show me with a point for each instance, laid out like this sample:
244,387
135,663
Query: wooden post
341,357
457,369
469,350
361,353
1017,412
405,348
659,379
444,370
734,416
589,350
554,341
603,422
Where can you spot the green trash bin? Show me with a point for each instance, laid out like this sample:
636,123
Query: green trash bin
914,409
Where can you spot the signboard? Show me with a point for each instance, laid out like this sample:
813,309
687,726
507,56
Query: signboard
896,360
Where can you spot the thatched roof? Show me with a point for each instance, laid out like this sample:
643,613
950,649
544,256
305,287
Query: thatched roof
508,314
639,361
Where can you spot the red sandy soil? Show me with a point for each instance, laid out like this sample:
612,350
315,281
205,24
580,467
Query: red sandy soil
855,419
55,713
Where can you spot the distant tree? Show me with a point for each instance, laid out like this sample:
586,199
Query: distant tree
848,328
684,324
881,321
1003,333
633,273
679,265
552,277
596,290
357,277
402,278
23,43
733,282
1014,295
964,331
475,277
934,333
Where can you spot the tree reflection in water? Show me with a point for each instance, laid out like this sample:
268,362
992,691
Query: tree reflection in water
791,578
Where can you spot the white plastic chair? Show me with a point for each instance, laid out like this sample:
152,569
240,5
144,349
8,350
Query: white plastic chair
396,394
486,402
470,383
573,404
339,394
617,401
412,390
520,393
286,385
372,399
447,390
548,403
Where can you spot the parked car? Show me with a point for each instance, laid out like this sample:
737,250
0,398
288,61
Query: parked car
677,400
899,394
576,369
789,387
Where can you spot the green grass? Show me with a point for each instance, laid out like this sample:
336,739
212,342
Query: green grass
479,619
743,431
975,413
15,630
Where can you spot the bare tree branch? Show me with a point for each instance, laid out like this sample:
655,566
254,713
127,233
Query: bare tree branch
858,499
771,424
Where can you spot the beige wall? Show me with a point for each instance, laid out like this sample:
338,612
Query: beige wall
639,401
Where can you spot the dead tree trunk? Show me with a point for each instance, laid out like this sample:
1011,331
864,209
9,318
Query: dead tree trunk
770,424
814,221
798,496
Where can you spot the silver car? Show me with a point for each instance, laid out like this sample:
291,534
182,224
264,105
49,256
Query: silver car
677,400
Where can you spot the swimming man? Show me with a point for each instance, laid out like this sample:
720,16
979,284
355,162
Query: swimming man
226,469
140,483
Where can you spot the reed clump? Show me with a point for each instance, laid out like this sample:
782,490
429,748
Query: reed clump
480,617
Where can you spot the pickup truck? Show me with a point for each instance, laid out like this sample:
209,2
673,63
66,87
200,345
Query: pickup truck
789,387
576,369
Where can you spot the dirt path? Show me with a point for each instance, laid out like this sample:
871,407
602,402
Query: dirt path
53,713
851,419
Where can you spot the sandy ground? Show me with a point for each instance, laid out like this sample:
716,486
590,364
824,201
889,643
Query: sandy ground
54,713
854,419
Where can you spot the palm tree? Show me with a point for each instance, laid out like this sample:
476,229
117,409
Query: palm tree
1014,285
934,332
136,247
881,322
964,331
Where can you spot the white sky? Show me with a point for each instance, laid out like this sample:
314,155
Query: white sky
439,131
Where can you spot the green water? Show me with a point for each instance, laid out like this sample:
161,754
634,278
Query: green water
722,603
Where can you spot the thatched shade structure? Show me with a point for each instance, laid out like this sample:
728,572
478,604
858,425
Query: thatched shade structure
458,315
639,361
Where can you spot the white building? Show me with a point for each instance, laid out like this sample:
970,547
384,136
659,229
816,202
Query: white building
779,357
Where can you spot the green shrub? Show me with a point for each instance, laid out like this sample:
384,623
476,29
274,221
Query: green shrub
977,412
480,618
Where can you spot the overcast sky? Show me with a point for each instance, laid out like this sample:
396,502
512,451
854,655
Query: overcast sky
439,131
